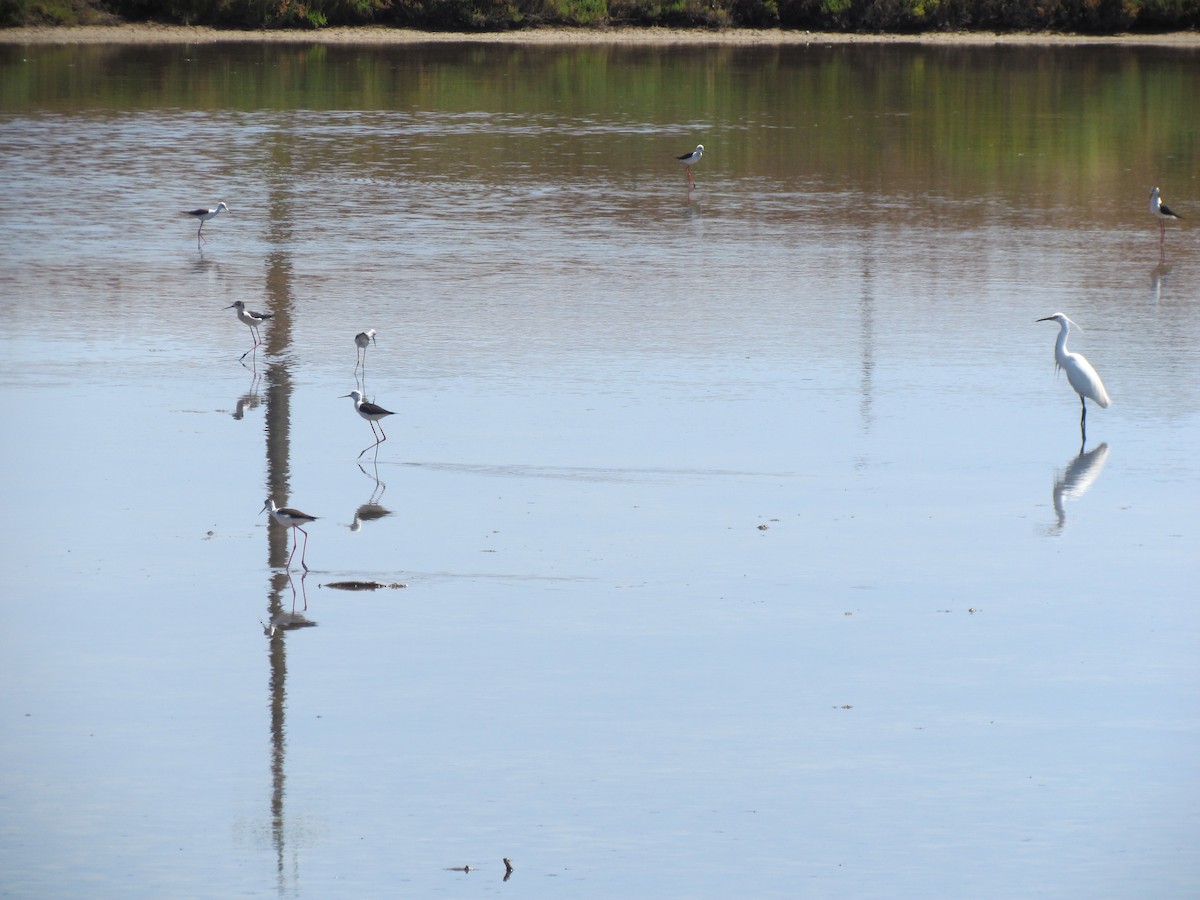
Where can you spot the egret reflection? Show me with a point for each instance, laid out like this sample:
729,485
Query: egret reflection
1074,481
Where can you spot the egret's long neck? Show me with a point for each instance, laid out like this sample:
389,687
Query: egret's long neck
1060,345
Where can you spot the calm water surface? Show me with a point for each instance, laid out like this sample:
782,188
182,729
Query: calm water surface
747,541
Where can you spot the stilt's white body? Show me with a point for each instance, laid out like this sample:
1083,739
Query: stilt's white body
369,411
1160,212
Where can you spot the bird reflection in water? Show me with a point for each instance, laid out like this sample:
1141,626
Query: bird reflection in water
1074,481
1158,276
371,510
284,620
250,399
362,341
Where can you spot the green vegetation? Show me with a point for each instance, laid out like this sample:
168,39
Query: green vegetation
1090,16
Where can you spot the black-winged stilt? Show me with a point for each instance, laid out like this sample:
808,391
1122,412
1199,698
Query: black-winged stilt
293,519
204,214
361,341
372,412
252,319
1162,213
690,159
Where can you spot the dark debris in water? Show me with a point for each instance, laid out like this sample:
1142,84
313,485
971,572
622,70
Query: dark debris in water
362,585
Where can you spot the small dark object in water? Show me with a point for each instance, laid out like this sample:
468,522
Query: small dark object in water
362,585
508,868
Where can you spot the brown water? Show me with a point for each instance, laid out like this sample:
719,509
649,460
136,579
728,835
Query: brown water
747,541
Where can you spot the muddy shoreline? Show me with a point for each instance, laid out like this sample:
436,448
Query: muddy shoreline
382,35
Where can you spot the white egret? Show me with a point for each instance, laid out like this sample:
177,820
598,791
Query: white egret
1080,374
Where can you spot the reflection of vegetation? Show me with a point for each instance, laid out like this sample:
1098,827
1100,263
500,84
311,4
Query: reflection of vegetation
944,122
830,15
881,118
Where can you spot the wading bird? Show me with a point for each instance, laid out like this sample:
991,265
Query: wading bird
1162,213
252,319
690,159
1080,374
204,215
361,340
293,519
372,413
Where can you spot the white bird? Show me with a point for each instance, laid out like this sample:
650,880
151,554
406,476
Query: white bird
252,319
361,340
1162,213
291,518
1080,374
690,159
372,412
204,214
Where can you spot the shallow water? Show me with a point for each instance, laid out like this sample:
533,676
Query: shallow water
747,544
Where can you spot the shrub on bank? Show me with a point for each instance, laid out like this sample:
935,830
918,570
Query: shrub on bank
1102,16
1092,16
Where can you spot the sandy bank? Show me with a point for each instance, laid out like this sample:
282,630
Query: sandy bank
378,35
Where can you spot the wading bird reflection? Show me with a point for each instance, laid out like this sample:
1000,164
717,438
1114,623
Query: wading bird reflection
1080,374
1073,482
282,621
250,399
372,509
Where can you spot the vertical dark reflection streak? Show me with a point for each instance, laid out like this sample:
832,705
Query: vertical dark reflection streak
278,301
866,384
